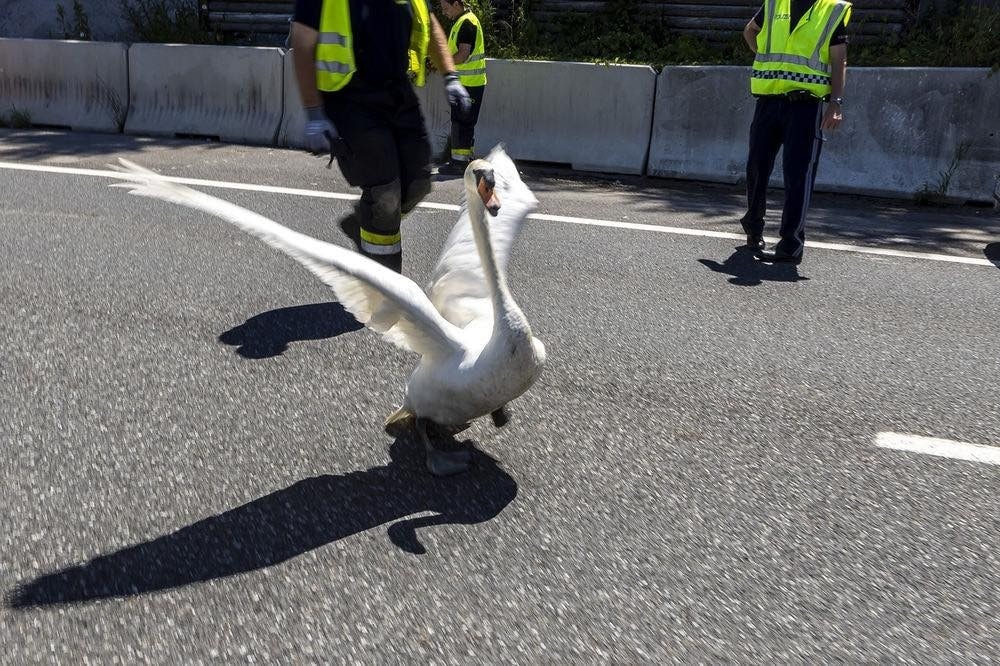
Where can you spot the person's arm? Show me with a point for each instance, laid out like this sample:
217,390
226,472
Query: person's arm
751,31
319,134
467,36
438,48
833,115
464,51
458,96
304,40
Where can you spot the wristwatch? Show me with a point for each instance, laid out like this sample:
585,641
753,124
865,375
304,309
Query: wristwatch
839,101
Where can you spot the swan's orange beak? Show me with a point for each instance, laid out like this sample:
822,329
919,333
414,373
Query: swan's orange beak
487,192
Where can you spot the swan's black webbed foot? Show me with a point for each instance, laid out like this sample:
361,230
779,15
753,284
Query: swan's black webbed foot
442,463
500,417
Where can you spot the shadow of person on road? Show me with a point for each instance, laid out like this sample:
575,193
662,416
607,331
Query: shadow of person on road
268,334
747,271
992,252
267,531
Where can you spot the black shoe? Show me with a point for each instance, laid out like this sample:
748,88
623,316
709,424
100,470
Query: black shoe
755,242
780,258
452,168
393,262
349,225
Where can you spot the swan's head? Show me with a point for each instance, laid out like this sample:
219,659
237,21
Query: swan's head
479,179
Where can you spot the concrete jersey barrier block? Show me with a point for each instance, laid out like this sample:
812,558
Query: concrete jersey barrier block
701,124
232,92
903,127
293,117
594,117
80,85
437,116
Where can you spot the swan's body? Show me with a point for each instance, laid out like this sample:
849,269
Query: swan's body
477,351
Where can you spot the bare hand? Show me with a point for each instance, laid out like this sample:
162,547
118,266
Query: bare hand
832,117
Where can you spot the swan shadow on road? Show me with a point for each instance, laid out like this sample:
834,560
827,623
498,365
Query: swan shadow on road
992,252
269,334
277,527
747,271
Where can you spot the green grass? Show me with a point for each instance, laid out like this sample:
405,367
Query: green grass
17,119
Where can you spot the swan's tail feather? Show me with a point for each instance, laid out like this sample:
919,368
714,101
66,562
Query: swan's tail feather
400,422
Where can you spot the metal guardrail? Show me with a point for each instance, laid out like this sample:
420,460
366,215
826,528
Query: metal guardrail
246,16
715,20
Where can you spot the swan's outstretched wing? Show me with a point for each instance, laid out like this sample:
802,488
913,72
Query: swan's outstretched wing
458,286
383,300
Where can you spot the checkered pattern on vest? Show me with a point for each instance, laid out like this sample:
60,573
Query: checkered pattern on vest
791,76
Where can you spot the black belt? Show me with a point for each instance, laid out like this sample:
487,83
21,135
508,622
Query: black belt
801,96
795,96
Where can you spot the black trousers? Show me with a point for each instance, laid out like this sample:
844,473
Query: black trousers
794,128
463,129
388,157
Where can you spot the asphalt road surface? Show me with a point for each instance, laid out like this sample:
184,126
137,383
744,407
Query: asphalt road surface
193,468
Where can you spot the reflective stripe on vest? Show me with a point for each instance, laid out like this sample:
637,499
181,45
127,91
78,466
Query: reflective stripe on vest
335,47
472,72
796,59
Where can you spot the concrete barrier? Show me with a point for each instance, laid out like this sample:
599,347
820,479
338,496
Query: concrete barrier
80,85
293,117
903,128
593,117
437,116
234,93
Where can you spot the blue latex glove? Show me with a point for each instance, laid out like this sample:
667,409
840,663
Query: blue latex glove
319,132
458,96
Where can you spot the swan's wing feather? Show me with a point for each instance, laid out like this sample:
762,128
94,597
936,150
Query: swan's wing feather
458,287
383,300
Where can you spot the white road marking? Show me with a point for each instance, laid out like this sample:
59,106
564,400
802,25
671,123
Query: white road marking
933,446
655,228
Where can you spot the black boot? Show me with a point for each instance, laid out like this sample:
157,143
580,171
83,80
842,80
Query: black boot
391,261
349,225
779,257
453,168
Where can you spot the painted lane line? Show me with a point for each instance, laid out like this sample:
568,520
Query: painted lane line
73,171
944,448
611,224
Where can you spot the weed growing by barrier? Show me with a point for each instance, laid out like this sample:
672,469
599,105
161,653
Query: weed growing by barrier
76,28
165,21
17,119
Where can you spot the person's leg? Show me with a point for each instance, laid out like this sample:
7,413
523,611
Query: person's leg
371,165
464,141
765,141
803,142
463,133
413,152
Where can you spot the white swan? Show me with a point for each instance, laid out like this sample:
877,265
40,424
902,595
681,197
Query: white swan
477,351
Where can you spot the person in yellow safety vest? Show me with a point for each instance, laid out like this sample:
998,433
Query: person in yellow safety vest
800,63
466,44
356,62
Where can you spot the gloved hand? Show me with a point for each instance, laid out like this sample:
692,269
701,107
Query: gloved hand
458,96
319,131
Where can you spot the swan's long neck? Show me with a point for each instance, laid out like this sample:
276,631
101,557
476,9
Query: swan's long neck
506,312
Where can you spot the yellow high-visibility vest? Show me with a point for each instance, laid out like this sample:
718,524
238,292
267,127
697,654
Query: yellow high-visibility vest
335,49
472,72
796,59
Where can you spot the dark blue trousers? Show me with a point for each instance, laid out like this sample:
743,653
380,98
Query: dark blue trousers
794,128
